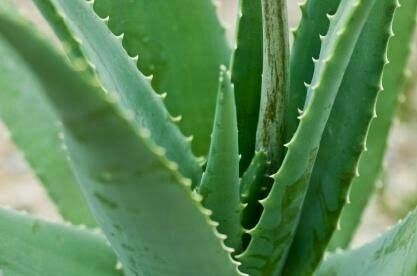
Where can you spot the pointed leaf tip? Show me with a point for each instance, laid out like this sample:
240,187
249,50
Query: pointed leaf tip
220,183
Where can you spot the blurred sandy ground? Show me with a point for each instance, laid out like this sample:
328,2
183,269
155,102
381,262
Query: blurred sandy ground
21,190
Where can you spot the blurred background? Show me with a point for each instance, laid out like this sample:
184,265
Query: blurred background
397,188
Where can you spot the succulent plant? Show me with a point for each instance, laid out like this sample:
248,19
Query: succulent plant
105,118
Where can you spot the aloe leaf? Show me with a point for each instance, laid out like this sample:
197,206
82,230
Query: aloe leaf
342,143
252,179
272,236
393,253
247,76
35,128
306,47
371,160
30,246
189,29
144,206
275,74
252,188
70,44
220,182
118,73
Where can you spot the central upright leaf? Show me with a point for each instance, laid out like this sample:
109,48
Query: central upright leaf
275,74
182,44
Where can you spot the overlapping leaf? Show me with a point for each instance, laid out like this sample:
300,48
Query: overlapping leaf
272,236
123,173
30,246
371,160
35,128
342,143
118,73
305,49
182,44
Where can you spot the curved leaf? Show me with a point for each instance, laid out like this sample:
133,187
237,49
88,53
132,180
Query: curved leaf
30,246
252,179
272,236
342,143
371,160
394,253
189,29
119,75
252,189
306,47
35,128
144,206
71,45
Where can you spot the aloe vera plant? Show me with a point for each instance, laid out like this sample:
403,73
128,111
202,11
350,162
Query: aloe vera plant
116,121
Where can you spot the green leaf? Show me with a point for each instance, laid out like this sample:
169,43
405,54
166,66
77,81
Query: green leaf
371,160
35,128
247,76
119,74
275,86
144,206
71,45
252,188
252,179
306,47
394,253
272,236
220,183
30,246
342,143
189,29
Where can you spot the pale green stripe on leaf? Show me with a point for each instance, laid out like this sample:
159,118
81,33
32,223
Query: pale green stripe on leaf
35,128
247,76
220,182
342,143
371,160
144,206
272,236
30,246
181,43
393,253
119,75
